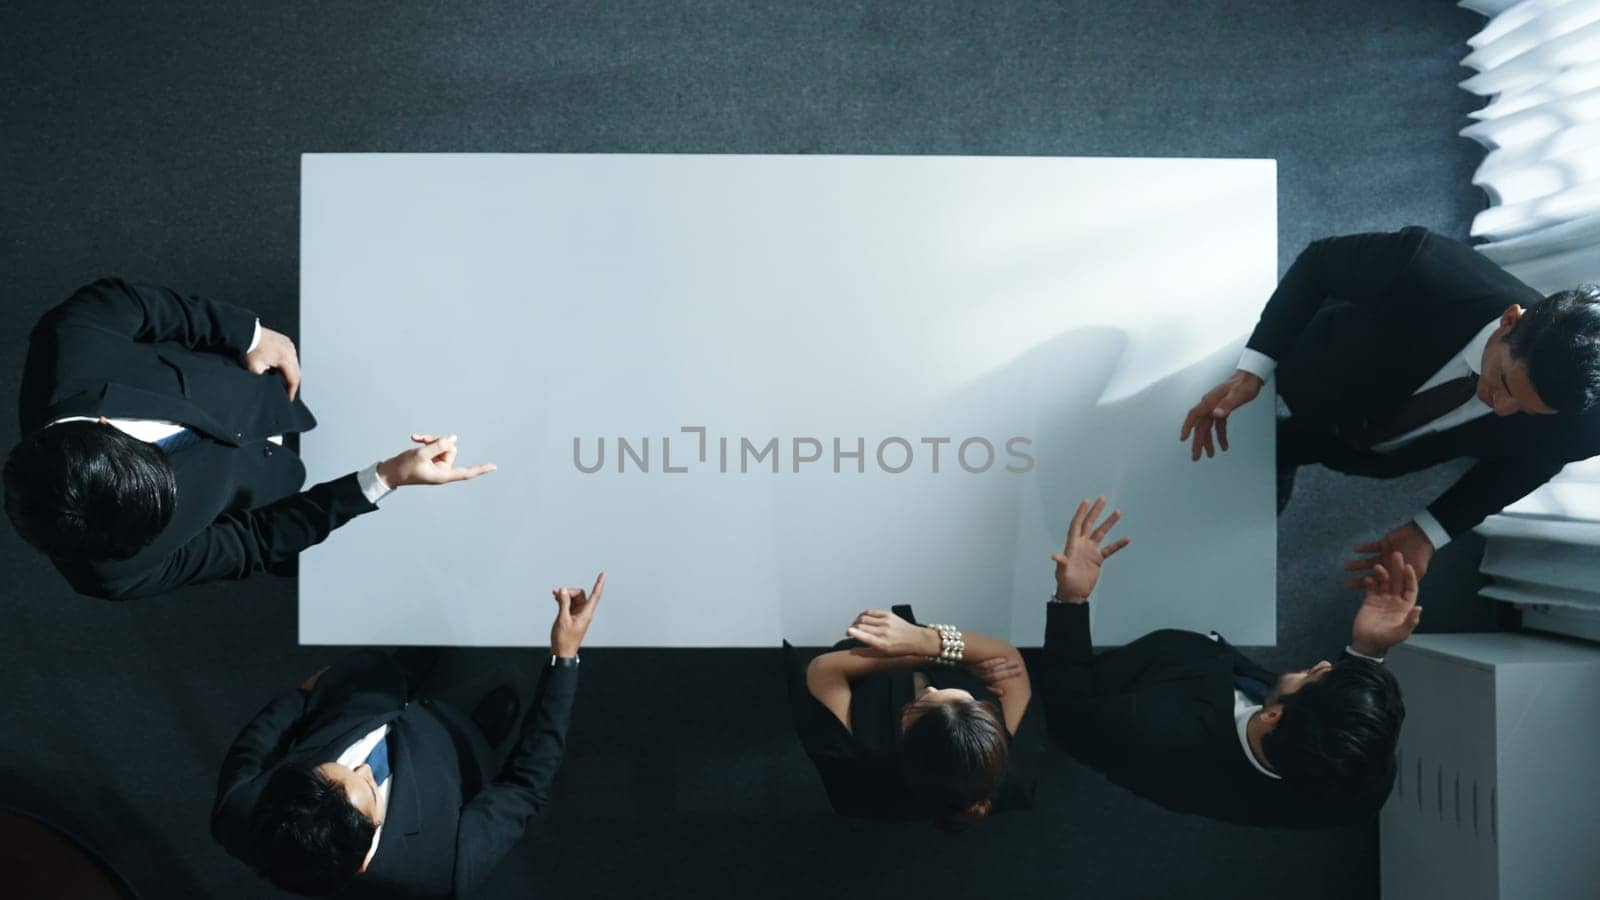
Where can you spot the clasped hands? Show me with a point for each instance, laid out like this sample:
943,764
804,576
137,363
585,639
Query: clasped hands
1210,417
884,634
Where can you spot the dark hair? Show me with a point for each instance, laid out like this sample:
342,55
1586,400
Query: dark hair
86,491
1560,339
953,757
1340,728
307,837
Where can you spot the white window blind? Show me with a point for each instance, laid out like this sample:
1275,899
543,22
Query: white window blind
1538,64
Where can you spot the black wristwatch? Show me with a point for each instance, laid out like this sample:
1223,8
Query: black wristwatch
563,662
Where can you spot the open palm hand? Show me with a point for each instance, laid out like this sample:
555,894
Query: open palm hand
1078,564
1389,610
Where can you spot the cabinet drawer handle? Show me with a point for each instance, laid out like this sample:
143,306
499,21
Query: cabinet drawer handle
1419,784
1458,799
1438,791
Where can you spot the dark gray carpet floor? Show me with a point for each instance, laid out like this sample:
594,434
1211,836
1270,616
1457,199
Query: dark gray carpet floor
160,141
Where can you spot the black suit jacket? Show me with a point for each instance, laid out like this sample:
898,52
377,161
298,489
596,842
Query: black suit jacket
1359,322
134,351
442,835
1156,717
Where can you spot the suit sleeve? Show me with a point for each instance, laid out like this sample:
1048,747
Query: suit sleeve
1077,715
1094,706
241,543
1358,268
250,754
148,313
1068,651
1489,487
494,821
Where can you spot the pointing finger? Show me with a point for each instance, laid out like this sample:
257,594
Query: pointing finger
470,473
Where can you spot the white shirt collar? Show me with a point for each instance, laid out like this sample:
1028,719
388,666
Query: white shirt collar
147,430
1473,354
356,754
1243,709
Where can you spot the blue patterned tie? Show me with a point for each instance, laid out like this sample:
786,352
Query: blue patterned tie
378,760
178,440
1255,689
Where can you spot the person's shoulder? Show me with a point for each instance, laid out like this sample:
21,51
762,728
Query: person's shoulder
109,286
1439,251
1418,243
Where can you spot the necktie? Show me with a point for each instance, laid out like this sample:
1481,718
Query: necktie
1422,408
378,760
178,440
1255,689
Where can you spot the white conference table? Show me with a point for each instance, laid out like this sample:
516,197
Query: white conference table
953,319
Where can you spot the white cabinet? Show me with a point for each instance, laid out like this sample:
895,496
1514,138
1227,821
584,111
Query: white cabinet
1498,792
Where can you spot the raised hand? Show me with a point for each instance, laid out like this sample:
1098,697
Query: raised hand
886,634
1078,564
431,463
575,610
1214,409
276,351
996,672
1408,540
1389,611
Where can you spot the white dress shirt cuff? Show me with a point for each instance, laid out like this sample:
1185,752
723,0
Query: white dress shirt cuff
1431,527
1354,652
255,338
1258,364
372,486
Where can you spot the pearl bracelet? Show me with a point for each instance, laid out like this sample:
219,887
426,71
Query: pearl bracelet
952,648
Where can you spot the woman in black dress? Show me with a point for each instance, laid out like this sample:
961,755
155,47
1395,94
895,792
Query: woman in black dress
904,720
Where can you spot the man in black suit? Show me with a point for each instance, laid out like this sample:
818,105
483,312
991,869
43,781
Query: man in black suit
152,449
1392,350
345,786
1187,721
